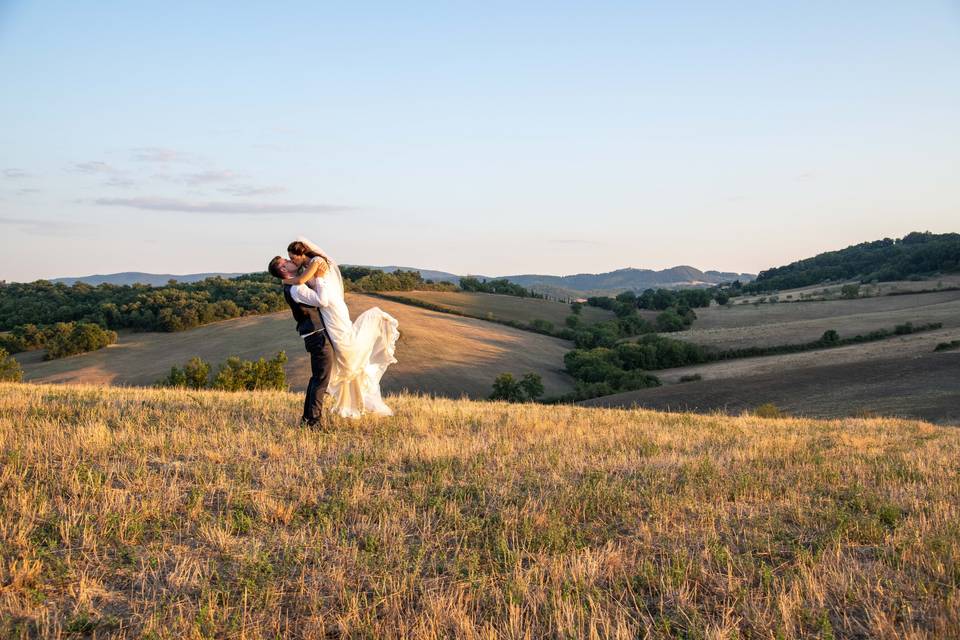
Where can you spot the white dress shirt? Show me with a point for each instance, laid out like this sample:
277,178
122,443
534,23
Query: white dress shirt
303,294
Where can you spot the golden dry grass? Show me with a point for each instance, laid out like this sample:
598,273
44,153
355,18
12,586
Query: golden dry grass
501,307
792,323
438,353
171,514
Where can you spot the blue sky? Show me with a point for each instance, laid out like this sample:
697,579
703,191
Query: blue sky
489,138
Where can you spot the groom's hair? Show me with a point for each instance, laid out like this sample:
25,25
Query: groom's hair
274,267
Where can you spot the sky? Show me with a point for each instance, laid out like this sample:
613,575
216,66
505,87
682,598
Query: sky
488,138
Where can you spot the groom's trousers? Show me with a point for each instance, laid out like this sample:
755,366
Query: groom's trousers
321,363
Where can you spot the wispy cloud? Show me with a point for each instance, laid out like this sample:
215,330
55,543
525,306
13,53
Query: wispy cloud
250,190
186,206
210,177
93,167
121,182
15,173
161,154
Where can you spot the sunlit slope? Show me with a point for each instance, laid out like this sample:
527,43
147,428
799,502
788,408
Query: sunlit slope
437,352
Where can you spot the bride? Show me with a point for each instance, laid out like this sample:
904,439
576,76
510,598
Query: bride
363,348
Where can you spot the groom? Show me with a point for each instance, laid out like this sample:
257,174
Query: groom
304,303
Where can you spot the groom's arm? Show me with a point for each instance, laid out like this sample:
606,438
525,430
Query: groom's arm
305,295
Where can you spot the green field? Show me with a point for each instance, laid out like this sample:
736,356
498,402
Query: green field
140,513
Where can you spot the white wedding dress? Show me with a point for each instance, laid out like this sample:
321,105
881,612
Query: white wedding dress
364,348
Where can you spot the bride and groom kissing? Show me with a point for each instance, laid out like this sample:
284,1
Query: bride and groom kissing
347,359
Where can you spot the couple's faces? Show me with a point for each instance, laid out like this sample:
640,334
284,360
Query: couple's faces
299,261
290,268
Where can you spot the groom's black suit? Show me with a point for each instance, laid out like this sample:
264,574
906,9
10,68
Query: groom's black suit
310,326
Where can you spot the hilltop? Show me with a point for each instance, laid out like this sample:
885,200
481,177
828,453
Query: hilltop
166,514
138,277
913,256
562,286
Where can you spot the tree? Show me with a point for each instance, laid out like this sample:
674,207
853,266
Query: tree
506,387
669,321
10,370
532,385
830,337
576,308
196,373
542,326
850,291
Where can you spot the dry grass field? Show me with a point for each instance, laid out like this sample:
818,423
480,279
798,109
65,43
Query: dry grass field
502,307
437,352
833,291
912,346
897,376
773,324
168,514
921,386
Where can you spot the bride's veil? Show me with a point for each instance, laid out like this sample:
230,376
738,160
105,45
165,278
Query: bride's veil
334,267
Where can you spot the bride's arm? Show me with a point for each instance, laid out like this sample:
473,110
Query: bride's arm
314,269
305,295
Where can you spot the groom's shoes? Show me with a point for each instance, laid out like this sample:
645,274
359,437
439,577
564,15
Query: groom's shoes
316,424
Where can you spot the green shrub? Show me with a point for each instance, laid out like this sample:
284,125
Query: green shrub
542,326
508,388
248,375
233,375
70,338
10,370
948,346
850,291
768,410
670,321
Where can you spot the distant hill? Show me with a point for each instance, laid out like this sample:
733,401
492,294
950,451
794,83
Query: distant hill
137,277
626,279
915,255
558,286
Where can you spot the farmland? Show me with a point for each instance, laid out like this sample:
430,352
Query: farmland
501,307
438,353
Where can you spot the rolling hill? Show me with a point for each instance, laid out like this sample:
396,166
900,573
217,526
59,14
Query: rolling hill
627,279
915,255
195,514
438,353
137,277
561,286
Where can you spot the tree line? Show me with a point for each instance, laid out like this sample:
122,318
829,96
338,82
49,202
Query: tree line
60,339
623,366
497,285
913,256
69,319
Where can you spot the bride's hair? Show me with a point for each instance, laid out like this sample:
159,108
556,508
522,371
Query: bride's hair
298,248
